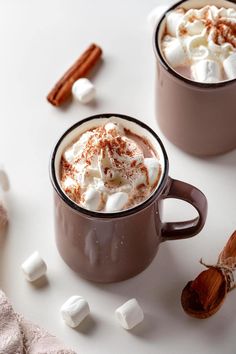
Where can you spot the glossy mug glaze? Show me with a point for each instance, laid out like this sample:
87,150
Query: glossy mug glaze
109,247
197,117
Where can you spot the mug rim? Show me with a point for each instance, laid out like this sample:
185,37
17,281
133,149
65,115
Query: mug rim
121,213
169,69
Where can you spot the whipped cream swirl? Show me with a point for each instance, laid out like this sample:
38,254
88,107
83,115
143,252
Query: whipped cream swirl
106,169
203,39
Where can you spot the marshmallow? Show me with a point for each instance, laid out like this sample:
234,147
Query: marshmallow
173,19
111,127
201,40
92,199
196,48
207,71
83,90
195,27
152,165
155,15
116,201
74,310
69,183
34,267
230,12
69,155
105,166
229,65
175,53
129,314
4,181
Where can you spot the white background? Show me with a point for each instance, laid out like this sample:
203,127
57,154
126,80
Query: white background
39,41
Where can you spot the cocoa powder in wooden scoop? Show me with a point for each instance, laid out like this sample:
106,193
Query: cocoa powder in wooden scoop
203,297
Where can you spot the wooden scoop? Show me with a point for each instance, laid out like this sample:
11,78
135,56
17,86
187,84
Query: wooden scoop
204,296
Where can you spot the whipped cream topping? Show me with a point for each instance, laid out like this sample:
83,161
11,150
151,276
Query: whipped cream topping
203,39
109,169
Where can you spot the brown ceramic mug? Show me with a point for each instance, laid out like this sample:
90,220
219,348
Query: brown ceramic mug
197,117
109,247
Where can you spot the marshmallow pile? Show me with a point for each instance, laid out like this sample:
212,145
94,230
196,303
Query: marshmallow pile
202,40
106,170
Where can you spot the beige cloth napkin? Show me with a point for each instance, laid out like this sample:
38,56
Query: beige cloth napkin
19,336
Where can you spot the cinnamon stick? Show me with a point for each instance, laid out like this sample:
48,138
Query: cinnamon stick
62,90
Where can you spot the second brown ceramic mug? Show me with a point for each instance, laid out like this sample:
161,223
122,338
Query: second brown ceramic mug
197,117
109,247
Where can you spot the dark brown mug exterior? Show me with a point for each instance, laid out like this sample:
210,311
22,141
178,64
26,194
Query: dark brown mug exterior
198,118
110,247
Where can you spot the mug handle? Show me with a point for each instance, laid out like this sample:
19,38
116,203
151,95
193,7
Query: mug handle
192,195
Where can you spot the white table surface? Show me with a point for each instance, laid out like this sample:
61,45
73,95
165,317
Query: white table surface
39,41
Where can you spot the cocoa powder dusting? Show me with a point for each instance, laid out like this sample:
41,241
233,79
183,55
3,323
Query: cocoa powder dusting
115,147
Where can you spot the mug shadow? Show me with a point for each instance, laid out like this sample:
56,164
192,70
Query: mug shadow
88,326
227,159
157,285
149,329
41,283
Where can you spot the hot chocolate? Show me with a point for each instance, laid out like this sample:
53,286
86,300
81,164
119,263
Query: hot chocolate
200,44
109,168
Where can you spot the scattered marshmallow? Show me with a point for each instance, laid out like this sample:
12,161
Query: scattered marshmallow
153,166
92,199
83,90
130,314
207,71
74,310
116,201
175,53
155,15
34,267
173,19
229,65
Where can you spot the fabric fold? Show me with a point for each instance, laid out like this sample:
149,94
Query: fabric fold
20,336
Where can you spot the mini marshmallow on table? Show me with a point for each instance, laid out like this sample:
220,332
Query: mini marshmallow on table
83,90
34,267
130,314
74,310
